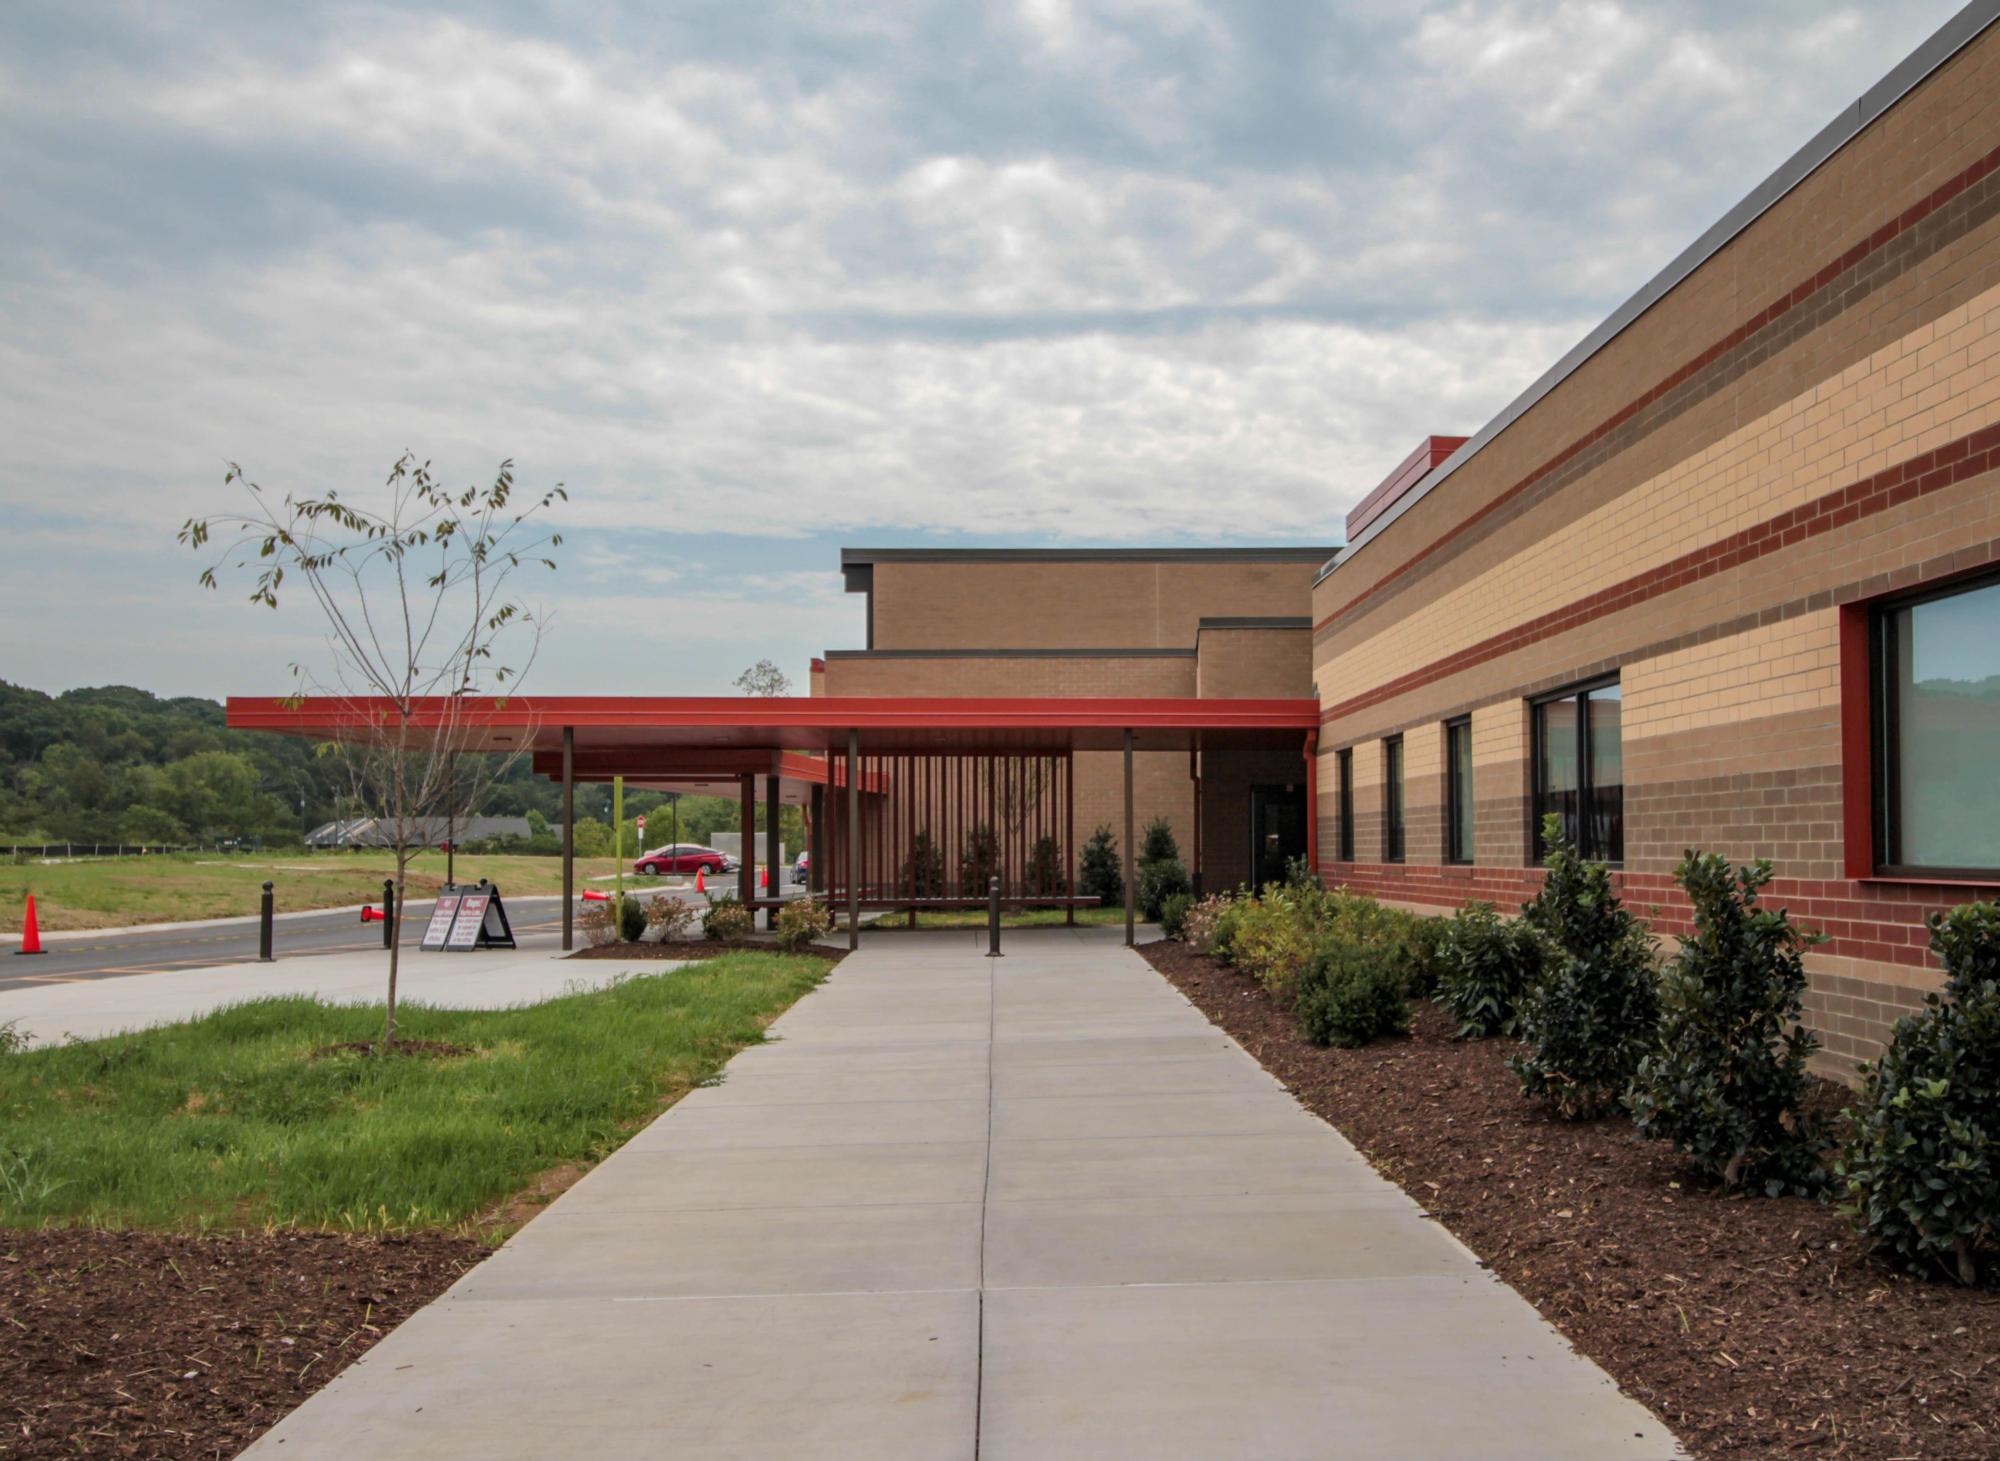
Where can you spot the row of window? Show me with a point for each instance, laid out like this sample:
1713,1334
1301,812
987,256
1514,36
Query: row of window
1935,703
1578,774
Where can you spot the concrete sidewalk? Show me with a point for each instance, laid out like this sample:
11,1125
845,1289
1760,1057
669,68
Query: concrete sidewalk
1021,1208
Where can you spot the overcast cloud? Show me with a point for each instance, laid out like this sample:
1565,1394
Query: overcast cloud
759,280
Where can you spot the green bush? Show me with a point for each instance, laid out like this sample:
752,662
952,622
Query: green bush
1159,881
979,862
1423,947
1159,844
1228,924
631,920
1273,938
1923,1172
1174,912
1592,1014
923,868
1202,922
1350,993
1101,874
1045,869
1726,1079
669,915
1300,873
727,919
1488,964
801,921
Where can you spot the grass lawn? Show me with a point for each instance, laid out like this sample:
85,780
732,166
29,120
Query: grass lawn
1009,918
230,1122
114,892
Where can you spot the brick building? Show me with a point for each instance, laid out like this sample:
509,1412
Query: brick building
1725,578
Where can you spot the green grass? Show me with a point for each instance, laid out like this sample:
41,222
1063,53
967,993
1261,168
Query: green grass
115,892
1009,918
229,1122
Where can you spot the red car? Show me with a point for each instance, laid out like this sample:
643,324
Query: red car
684,857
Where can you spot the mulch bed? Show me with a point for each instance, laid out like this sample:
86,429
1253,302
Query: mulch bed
698,949
1754,1327
427,1049
133,1344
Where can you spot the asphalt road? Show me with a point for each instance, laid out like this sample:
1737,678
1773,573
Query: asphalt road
144,951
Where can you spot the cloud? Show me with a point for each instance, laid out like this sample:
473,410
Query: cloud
1145,271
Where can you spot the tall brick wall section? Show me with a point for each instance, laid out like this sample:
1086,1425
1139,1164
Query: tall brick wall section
1239,664
1809,420
1076,603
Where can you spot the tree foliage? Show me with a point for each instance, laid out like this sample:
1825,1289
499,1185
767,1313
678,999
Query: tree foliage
1486,966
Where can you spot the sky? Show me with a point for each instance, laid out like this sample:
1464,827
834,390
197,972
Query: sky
758,281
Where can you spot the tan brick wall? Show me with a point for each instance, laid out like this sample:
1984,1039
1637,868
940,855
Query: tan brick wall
1689,509
1170,675
1235,664
1075,603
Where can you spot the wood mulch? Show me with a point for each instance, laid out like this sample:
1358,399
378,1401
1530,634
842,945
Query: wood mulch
699,949
160,1345
1754,1327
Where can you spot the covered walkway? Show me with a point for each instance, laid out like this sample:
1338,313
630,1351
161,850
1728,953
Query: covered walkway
1027,1207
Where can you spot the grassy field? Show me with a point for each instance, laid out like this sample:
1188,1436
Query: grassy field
115,892
231,1121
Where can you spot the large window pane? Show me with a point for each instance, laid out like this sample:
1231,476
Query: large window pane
1607,774
1345,761
1558,772
1944,756
1458,770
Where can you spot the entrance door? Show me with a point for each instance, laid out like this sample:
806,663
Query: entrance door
1277,830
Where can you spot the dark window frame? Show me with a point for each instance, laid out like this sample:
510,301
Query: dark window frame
1886,809
1343,763
1578,693
1395,807
1457,796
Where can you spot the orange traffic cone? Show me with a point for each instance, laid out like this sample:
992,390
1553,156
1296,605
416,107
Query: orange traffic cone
31,931
764,878
700,883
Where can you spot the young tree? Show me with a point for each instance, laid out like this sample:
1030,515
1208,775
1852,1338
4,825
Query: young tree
416,596
1101,875
764,678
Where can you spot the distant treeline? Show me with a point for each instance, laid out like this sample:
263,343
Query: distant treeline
115,764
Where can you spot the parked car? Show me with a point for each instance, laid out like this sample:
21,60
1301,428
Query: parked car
684,857
799,868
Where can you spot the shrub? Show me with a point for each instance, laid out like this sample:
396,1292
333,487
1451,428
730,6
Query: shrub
923,869
1591,1015
631,919
1300,873
1272,939
1423,944
1159,844
980,860
727,919
1228,924
801,921
1203,921
1174,912
1350,993
1488,963
596,922
1159,881
1923,1173
1101,876
669,915
1726,1079
1045,869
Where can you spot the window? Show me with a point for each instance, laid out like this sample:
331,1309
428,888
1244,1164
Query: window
1392,799
1458,790
1344,773
1936,674
1580,769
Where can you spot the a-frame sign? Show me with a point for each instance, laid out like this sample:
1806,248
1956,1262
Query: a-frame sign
468,916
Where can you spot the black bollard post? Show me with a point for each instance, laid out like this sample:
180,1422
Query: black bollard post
993,919
389,911
264,926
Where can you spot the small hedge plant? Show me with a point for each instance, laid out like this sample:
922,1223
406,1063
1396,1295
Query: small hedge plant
1486,966
1203,921
1159,881
631,920
1174,915
1100,875
1590,1016
801,921
1350,993
1726,1081
1923,1170
727,919
670,916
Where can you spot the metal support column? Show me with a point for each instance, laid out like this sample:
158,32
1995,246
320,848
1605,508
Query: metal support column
816,841
1194,775
772,851
1069,835
569,838
1312,801
1130,890
746,868
854,839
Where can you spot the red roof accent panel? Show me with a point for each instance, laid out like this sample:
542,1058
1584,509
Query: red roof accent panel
1411,470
